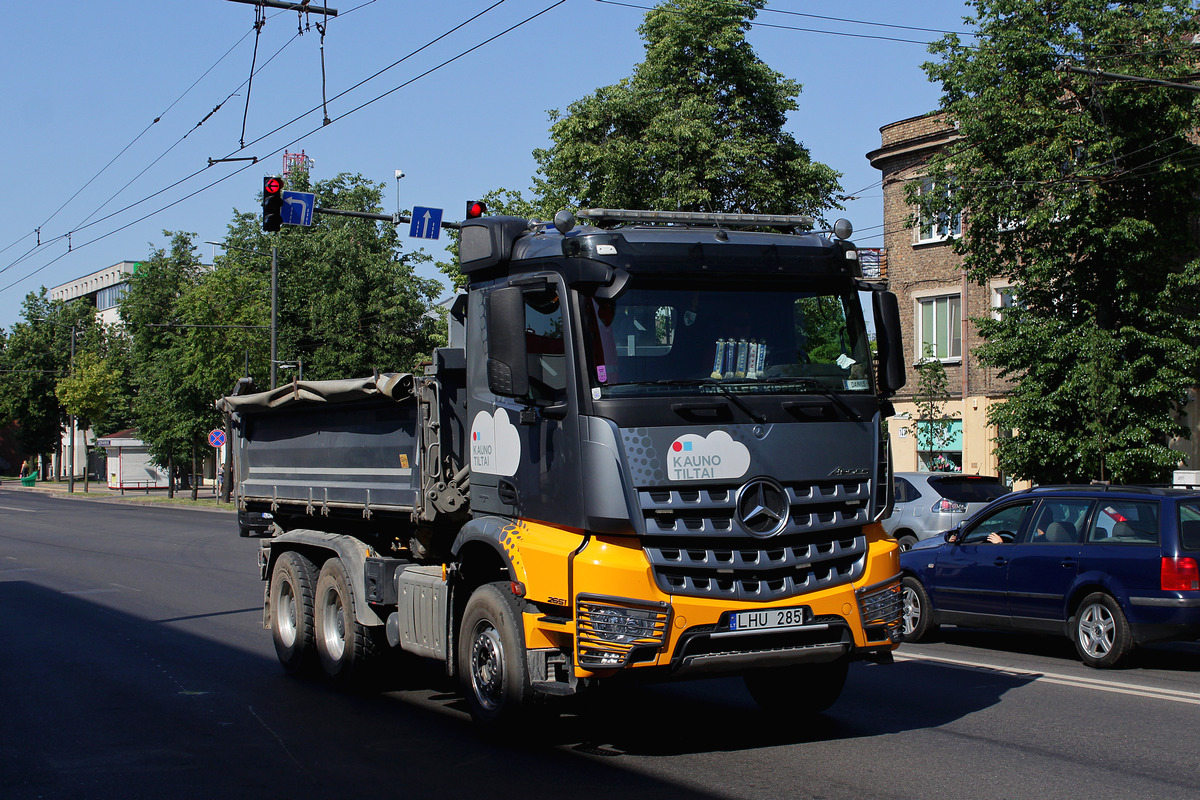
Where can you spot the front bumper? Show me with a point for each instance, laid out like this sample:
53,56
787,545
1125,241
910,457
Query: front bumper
623,620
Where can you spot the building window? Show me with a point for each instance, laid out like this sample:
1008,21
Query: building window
940,321
110,296
1003,296
940,226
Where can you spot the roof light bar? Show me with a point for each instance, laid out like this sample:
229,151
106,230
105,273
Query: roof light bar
696,218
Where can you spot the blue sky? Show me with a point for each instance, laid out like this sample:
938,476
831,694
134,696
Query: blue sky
109,119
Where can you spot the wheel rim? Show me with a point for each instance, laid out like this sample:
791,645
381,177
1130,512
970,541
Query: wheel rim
1096,630
286,614
487,666
333,629
911,617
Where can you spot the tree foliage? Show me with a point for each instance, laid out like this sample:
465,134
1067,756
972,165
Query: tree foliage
1082,192
698,126
36,355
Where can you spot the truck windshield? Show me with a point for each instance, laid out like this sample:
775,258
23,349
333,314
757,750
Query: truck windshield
665,339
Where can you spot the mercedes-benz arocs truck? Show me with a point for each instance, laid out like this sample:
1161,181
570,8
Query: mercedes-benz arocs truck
654,447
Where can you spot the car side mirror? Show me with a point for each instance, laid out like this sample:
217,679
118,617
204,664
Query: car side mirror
951,536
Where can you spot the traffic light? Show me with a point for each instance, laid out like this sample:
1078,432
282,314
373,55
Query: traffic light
475,209
272,204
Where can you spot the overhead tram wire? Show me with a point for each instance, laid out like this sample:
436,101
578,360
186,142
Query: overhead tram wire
134,141
86,224
277,150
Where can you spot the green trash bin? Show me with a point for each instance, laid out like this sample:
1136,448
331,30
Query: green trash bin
29,480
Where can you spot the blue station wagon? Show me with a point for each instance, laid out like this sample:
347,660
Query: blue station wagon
1112,567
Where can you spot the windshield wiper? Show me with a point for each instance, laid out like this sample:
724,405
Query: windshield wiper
737,401
821,389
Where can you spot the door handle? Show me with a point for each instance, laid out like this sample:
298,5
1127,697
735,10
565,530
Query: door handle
1001,561
1067,563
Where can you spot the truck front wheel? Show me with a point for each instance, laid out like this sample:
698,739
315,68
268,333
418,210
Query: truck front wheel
491,655
800,690
344,646
292,611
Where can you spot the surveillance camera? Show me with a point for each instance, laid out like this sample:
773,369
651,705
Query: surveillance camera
399,174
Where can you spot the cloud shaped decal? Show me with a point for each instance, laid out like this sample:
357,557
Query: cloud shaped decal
716,456
495,444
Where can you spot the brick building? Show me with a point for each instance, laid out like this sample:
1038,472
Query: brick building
938,304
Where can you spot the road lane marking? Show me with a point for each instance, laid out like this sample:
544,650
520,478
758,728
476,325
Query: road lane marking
1113,687
14,508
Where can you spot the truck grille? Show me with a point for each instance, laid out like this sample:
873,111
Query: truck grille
698,548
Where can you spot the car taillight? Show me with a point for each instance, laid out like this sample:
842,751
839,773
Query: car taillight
1180,575
945,506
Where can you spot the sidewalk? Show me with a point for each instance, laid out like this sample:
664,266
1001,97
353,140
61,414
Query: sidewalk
206,499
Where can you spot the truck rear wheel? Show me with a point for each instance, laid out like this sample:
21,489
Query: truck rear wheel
344,647
292,610
491,656
800,690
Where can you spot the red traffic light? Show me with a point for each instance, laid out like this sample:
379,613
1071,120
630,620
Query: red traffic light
475,209
272,204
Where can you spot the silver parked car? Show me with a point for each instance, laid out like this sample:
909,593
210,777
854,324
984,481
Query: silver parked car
928,503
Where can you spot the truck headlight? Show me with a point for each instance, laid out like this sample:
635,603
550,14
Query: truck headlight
608,630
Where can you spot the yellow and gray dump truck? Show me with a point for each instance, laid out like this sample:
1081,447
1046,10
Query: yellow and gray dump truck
653,448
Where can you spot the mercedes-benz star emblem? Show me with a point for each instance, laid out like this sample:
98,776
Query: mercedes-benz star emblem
762,507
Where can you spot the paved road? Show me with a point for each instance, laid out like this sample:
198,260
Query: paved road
133,664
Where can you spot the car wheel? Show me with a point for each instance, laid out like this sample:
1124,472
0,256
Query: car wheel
916,616
906,540
1101,632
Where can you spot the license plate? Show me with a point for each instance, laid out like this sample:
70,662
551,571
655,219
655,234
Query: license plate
770,618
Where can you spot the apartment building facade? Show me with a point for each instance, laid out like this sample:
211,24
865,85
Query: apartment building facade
938,304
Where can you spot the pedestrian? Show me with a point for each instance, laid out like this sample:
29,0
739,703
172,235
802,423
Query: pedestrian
24,468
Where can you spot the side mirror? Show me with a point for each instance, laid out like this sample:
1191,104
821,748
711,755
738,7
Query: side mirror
507,364
892,375
951,536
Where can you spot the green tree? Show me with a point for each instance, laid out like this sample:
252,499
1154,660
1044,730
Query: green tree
168,408
86,391
932,428
350,301
698,126
37,353
1082,192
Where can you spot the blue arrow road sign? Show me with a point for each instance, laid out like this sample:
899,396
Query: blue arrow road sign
298,207
426,223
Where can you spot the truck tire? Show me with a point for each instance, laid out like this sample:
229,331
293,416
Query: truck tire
345,648
292,583
798,691
491,656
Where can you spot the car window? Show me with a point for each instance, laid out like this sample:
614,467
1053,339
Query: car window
905,491
1189,526
1060,521
1004,521
1125,522
968,488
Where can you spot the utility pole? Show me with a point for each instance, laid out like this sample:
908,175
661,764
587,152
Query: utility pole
71,443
